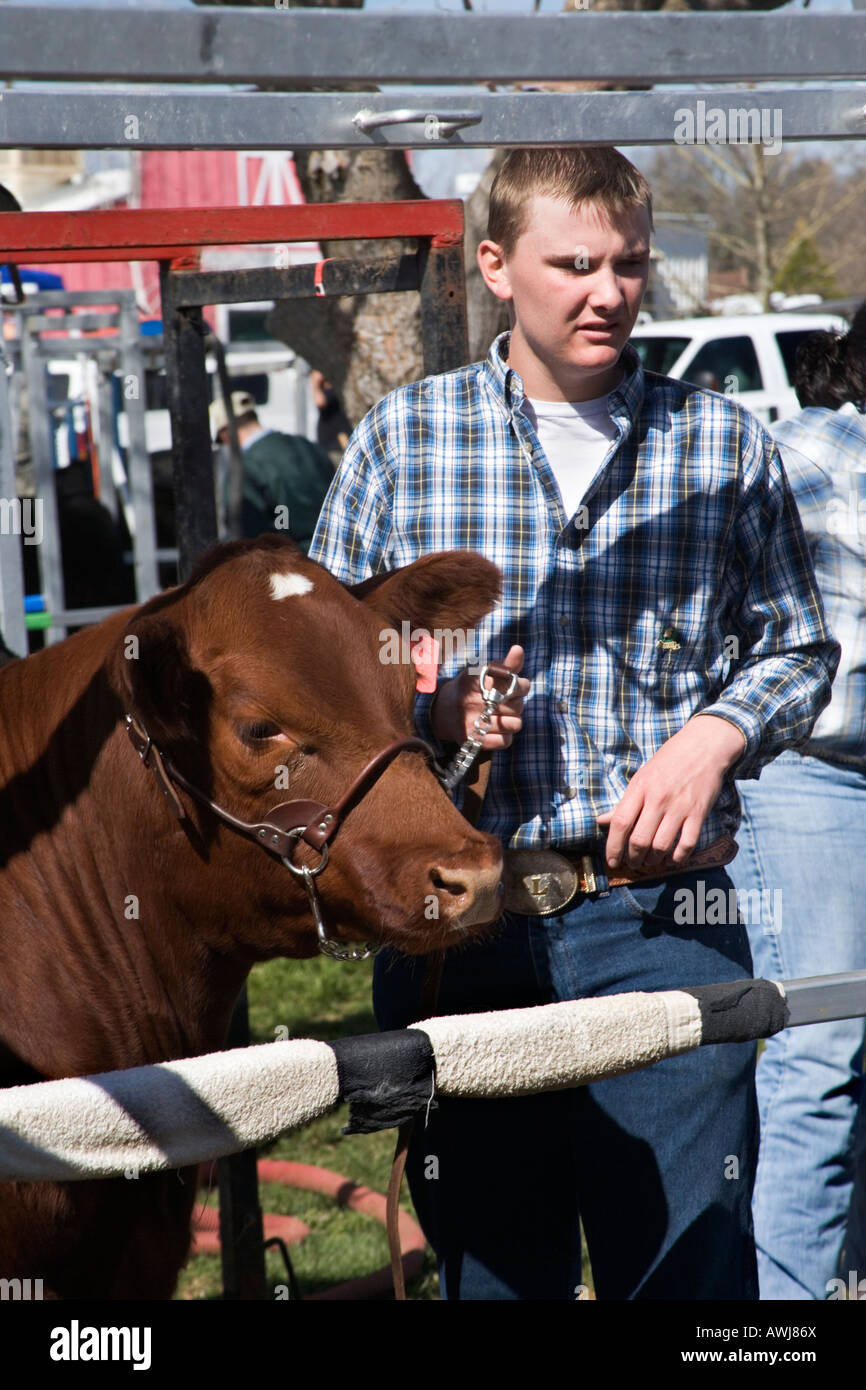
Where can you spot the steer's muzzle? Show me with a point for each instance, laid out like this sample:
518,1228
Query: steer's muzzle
468,897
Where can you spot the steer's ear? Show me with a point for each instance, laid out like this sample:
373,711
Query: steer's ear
453,590
154,678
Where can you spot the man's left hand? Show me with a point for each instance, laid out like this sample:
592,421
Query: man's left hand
659,819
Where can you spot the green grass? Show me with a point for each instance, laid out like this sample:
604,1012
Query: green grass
320,999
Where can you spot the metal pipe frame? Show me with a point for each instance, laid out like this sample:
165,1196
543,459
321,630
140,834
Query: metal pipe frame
42,450
289,47
822,998
73,323
175,237
330,120
178,234
125,351
390,275
139,474
64,299
11,570
184,332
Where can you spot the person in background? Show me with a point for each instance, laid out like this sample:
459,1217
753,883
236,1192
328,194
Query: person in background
803,847
285,477
333,428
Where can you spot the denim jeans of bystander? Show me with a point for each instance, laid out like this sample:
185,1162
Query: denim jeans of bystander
803,836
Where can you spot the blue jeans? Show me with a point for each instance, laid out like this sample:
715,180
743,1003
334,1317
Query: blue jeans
804,836
658,1164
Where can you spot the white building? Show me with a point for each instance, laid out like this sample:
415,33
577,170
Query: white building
678,277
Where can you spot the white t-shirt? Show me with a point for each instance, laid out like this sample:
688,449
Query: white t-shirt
575,436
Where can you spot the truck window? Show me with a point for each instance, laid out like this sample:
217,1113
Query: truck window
659,354
248,326
156,390
257,383
58,387
726,364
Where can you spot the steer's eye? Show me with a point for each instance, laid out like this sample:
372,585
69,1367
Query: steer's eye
259,730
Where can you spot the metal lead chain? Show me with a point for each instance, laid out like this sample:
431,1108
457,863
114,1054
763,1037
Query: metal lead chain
327,945
471,747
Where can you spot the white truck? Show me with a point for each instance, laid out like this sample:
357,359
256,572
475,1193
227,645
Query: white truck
749,357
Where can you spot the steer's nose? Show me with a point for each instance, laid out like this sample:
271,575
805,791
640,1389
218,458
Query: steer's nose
468,897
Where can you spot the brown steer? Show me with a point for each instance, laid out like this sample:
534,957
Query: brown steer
125,933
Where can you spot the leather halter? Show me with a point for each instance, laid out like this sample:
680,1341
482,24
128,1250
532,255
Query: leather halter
285,824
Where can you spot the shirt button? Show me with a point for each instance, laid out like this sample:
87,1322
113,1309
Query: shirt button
569,792
562,706
563,620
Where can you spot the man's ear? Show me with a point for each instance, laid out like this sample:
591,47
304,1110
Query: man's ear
452,590
156,682
494,270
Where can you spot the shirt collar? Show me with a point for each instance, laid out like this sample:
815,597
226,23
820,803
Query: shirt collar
625,399
254,438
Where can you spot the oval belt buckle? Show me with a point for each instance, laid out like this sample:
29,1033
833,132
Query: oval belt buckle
538,882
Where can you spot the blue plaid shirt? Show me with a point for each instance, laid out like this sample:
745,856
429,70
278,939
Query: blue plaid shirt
824,452
682,584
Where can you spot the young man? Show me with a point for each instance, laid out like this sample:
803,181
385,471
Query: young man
654,571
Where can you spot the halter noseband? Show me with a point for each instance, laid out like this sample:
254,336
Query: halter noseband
284,825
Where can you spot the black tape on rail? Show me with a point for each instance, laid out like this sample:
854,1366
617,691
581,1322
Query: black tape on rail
739,1010
385,1077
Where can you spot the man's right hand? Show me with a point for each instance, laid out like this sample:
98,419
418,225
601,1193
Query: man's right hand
459,702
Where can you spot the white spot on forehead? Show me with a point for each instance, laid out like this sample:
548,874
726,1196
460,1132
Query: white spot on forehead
284,585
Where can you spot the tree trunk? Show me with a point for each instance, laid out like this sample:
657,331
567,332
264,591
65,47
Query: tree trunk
763,268
364,345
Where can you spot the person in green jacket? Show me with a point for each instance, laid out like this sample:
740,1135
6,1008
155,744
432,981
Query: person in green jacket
286,476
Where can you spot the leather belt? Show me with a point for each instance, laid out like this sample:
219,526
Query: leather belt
539,882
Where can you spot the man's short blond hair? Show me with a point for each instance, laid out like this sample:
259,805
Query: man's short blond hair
591,174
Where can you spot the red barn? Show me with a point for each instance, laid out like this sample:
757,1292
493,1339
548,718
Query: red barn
191,178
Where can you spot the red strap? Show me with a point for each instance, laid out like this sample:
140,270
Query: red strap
317,278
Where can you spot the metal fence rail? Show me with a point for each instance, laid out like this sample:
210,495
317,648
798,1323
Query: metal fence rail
289,47
337,120
129,234
201,1108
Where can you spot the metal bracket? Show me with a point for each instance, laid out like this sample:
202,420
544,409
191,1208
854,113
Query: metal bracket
438,125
